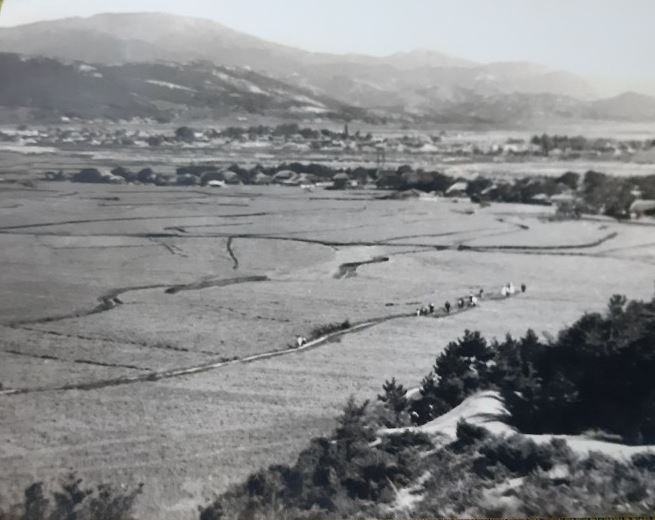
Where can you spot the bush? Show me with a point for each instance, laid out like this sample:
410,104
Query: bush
476,482
324,330
185,134
146,176
73,502
517,454
340,476
92,175
570,180
469,434
594,486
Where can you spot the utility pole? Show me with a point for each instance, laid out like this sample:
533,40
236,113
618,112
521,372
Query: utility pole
380,156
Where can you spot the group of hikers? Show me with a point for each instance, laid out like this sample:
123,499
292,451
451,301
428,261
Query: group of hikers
472,300
509,289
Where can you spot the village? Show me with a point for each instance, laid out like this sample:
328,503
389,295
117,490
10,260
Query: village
292,138
573,194
574,173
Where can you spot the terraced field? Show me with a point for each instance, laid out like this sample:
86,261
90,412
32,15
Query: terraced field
145,331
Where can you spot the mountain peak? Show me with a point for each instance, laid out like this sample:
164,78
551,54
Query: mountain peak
423,57
412,79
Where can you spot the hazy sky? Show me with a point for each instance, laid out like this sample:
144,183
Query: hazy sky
608,41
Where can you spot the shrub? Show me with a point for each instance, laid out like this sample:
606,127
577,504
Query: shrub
88,175
324,330
594,486
517,454
468,434
185,134
73,502
342,475
569,179
398,442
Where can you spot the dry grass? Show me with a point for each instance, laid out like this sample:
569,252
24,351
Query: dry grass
191,436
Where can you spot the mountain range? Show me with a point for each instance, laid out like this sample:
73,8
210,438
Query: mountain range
418,84
162,91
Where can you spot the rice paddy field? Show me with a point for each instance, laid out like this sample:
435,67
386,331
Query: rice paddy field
145,331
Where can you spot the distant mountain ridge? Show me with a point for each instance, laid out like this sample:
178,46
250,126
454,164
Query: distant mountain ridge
146,37
127,49
162,91
628,105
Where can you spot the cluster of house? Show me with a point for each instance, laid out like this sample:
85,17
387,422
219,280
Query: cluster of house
565,198
217,178
197,176
297,139
57,136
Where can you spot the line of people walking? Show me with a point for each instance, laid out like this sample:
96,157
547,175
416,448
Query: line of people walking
472,300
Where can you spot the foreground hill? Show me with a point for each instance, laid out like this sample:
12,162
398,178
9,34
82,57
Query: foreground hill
50,88
470,456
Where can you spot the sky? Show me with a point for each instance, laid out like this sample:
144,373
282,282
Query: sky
610,42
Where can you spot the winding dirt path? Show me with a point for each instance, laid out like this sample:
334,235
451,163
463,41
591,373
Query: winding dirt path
328,243
222,363
111,300
586,245
124,219
77,360
349,269
230,251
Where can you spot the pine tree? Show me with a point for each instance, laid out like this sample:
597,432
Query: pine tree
394,399
353,428
428,405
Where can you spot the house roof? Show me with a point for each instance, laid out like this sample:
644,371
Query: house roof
262,178
563,197
458,186
284,174
642,205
